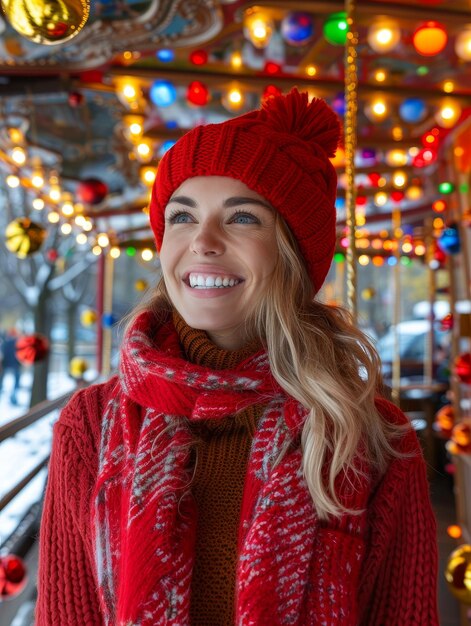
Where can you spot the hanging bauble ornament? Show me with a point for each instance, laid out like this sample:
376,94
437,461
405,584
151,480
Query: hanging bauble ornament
108,319
368,293
458,573
162,93
197,94
75,99
91,191
336,28
462,367
78,367
446,323
47,21
32,348
338,160
430,38
13,576
270,91
297,28
52,255
338,104
88,317
24,237
463,44
412,110
141,284
445,420
449,240
461,436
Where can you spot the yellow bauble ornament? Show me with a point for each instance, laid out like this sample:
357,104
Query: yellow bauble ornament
23,237
140,284
88,317
368,293
78,367
47,21
458,573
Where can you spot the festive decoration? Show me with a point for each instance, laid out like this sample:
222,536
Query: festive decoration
445,420
52,255
424,157
165,55
162,93
430,38
199,57
462,367
78,367
297,28
47,21
463,44
91,191
412,110
75,99
24,237
461,437
32,348
368,293
446,323
141,284
88,317
233,100
338,104
449,240
108,319
258,28
448,113
336,28
270,91
446,187
13,576
458,573
384,35
197,93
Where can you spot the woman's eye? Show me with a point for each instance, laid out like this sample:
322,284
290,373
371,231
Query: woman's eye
245,218
180,218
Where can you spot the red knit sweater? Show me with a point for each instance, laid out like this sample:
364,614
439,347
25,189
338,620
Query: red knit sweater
397,582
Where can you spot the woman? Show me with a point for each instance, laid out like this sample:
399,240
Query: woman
242,469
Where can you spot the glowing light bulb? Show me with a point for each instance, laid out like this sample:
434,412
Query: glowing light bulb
13,181
66,228
136,129
103,240
129,92
311,70
55,193
18,155
38,204
97,250
115,252
53,217
81,239
67,209
236,60
383,36
380,76
37,180
147,254
399,179
258,28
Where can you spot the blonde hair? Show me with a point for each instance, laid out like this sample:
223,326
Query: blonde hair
322,360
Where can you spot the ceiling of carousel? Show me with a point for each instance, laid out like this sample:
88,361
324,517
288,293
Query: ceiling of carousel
85,118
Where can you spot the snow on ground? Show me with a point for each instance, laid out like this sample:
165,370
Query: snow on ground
20,453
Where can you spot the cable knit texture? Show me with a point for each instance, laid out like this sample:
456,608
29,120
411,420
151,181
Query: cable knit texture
121,457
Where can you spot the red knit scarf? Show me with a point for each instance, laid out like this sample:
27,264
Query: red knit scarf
290,569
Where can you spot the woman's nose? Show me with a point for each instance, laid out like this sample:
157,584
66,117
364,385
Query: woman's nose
207,241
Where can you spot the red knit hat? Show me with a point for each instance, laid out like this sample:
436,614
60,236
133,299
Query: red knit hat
282,152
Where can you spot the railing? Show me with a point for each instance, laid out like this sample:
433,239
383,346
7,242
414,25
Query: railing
23,540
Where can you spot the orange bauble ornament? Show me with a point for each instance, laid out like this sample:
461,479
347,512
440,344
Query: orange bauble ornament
32,348
445,420
461,436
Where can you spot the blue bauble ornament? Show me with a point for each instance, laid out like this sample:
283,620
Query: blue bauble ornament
412,110
162,93
338,104
449,240
297,28
108,319
166,145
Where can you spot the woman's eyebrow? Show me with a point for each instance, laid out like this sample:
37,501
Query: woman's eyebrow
184,200
238,200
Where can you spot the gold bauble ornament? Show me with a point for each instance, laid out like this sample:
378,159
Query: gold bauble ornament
140,284
23,237
458,573
88,317
78,367
47,21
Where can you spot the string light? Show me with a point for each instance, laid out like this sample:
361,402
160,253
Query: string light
115,252
81,239
258,28
103,240
18,155
380,76
55,193
66,228
383,36
53,217
147,254
97,250
38,204
37,180
13,181
311,70
236,60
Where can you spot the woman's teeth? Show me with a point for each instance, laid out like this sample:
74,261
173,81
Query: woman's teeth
197,281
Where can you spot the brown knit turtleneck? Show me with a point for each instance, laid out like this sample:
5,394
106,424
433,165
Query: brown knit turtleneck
222,453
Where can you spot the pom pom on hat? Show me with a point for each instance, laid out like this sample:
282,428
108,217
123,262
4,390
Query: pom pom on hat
313,122
282,152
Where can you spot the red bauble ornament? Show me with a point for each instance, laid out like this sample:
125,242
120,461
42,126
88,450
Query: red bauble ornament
397,195
75,98
271,91
374,178
31,348
272,68
52,255
13,576
447,322
197,94
91,191
462,367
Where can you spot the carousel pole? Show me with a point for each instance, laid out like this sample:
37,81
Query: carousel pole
396,317
107,308
99,308
432,287
351,105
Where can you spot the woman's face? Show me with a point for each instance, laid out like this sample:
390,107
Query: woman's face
218,253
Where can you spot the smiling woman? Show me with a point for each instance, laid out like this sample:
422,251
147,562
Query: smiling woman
244,467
